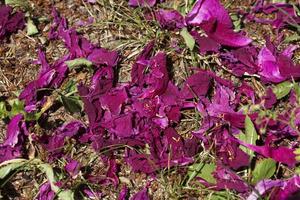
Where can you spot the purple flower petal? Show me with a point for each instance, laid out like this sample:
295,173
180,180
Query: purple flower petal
15,131
205,10
45,192
196,85
224,35
205,44
142,3
124,193
10,23
170,19
72,167
141,195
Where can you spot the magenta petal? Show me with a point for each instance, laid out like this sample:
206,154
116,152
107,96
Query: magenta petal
123,126
142,3
45,192
227,179
224,35
72,167
263,186
7,152
269,68
10,23
205,44
124,193
279,154
196,85
141,195
14,131
282,189
205,10
101,56
170,19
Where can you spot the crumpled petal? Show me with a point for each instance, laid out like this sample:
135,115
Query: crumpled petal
45,192
205,44
205,10
196,85
142,3
72,167
281,189
9,22
141,195
224,35
212,17
280,154
170,19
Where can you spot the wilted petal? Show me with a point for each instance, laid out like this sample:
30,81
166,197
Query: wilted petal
224,35
196,85
15,131
142,3
170,19
72,167
205,10
141,195
10,23
45,192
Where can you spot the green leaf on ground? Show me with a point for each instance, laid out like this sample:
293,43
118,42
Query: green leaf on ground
202,170
31,28
292,38
78,62
3,111
72,104
249,137
62,194
282,89
17,107
188,38
18,3
264,169
9,166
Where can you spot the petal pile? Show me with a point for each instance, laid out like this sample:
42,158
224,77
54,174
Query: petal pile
245,117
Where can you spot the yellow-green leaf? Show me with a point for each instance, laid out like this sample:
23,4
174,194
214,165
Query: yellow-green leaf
264,169
250,134
188,38
202,170
31,28
78,62
282,89
11,165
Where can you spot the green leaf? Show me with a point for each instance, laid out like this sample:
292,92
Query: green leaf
70,88
296,8
31,28
282,89
279,1
72,104
189,40
264,169
237,22
79,62
66,195
3,111
17,107
297,90
292,38
9,166
62,194
250,135
48,170
202,170
18,3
